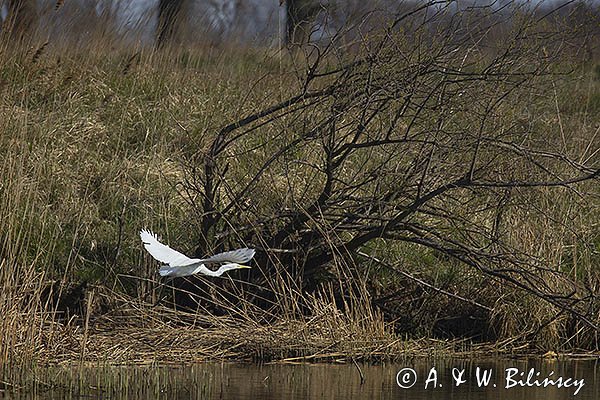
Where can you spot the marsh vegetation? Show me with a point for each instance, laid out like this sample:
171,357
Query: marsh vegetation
429,187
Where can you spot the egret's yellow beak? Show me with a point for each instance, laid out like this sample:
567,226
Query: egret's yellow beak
243,266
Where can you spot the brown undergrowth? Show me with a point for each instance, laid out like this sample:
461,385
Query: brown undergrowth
135,332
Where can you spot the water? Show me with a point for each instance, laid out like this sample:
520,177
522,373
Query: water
302,381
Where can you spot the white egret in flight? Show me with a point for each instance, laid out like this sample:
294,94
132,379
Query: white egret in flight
178,264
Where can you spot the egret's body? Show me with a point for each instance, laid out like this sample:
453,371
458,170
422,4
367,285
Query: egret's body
177,264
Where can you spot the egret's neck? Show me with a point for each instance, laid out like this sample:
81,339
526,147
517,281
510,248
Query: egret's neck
204,270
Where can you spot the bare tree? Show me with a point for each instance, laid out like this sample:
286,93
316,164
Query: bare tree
420,138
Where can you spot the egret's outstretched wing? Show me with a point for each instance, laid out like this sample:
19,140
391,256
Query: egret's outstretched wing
163,253
239,256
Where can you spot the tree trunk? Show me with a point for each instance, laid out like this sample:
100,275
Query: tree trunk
20,20
168,12
300,16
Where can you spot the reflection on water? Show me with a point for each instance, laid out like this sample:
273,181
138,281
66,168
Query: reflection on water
301,381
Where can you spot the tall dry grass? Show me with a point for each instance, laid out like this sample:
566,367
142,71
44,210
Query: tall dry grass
95,144
93,147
